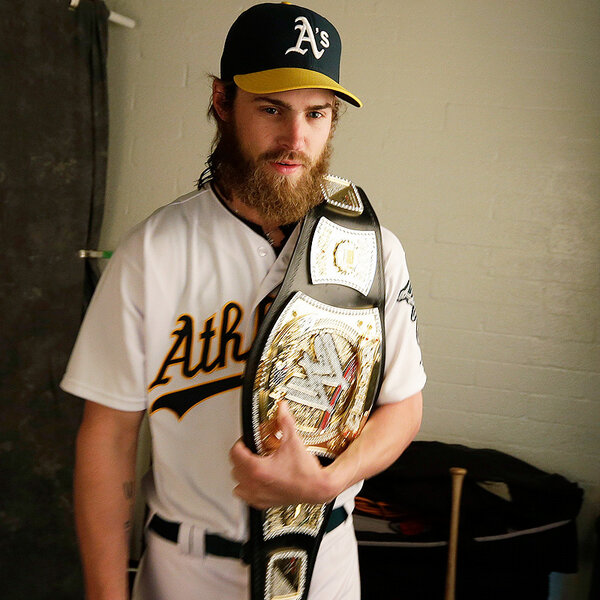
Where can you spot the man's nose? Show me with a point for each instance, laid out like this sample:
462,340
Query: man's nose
293,133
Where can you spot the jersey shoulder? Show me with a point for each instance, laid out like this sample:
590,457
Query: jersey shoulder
392,246
190,209
167,226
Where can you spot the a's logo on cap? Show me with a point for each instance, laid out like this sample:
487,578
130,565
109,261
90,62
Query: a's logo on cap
307,35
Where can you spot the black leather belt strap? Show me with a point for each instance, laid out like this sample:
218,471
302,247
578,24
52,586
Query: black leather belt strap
166,529
219,546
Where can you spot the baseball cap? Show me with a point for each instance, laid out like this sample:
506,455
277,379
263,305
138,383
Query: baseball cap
278,47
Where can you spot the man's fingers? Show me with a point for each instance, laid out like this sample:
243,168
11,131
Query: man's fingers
242,459
286,422
238,451
281,477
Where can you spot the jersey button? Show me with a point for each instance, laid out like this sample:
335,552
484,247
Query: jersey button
262,251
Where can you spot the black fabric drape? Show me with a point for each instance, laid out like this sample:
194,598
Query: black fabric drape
53,145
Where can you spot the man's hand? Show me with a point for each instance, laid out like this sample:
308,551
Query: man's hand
289,475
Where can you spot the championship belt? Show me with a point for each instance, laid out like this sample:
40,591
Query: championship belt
321,348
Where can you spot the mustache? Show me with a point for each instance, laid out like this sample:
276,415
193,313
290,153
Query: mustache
285,156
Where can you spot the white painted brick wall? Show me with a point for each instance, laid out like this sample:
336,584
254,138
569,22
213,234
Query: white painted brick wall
479,146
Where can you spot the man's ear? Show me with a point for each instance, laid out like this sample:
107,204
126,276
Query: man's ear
219,99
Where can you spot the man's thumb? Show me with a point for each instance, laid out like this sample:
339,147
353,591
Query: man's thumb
287,423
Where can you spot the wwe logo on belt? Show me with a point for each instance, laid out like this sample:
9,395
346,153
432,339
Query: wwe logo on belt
324,372
306,35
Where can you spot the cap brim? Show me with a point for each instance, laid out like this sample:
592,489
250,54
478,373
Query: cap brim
288,78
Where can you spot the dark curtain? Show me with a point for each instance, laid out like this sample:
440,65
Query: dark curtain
53,144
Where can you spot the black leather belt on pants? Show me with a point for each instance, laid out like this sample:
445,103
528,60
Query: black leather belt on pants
219,546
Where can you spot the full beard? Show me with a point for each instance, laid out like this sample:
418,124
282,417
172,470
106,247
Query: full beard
276,199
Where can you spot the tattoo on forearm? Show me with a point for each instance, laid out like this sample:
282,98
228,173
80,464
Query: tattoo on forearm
129,489
129,493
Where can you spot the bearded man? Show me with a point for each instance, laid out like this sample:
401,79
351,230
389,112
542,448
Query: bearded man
172,332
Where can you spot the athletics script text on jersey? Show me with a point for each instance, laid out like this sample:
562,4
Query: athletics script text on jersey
206,351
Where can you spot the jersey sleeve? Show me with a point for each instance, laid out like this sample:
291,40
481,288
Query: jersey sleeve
107,364
404,374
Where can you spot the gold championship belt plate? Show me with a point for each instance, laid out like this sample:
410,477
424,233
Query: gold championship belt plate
320,359
321,350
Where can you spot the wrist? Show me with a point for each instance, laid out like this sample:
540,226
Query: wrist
336,479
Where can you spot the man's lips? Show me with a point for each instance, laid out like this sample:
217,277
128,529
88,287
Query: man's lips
286,163
286,167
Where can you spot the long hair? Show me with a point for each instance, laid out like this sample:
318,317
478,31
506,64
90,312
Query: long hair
212,162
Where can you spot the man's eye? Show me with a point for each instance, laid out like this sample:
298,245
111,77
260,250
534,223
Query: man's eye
315,114
270,110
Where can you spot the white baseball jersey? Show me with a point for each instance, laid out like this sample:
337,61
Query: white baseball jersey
168,331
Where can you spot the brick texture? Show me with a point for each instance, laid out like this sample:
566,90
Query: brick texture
478,144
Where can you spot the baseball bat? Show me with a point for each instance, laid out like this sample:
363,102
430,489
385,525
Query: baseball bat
458,475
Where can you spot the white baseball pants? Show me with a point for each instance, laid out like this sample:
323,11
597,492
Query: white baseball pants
168,572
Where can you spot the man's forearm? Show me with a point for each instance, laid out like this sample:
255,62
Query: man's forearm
389,430
104,494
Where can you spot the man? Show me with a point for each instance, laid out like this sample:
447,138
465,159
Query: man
172,323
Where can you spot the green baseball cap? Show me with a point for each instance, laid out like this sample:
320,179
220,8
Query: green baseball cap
279,47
